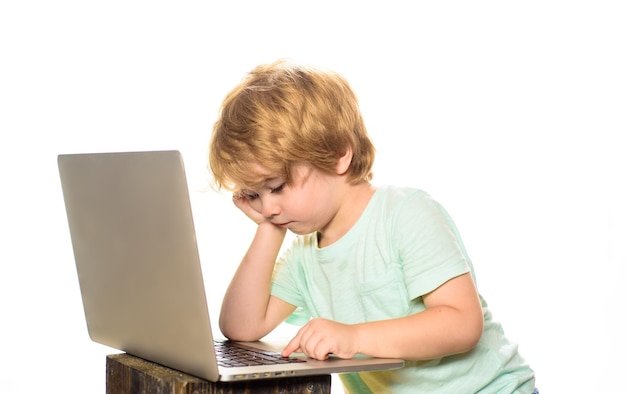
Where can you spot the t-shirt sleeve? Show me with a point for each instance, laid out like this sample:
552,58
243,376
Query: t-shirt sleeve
428,244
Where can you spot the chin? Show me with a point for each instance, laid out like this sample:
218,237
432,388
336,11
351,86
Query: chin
299,231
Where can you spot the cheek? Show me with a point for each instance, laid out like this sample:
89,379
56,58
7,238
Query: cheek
303,205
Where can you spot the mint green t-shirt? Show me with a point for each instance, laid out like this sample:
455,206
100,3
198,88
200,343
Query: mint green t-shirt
403,246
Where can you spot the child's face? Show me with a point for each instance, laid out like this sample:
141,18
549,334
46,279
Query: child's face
308,204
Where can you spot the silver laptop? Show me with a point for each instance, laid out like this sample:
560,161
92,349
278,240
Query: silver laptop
140,276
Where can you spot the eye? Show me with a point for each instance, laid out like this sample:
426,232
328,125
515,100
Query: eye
277,189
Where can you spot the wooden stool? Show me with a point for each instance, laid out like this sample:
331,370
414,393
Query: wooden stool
126,374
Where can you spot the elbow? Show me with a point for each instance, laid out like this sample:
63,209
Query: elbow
241,332
471,335
241,336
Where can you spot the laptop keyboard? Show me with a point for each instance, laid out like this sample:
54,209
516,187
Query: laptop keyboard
229,354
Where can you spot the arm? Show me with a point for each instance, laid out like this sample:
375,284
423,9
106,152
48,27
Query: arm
249,312
452,323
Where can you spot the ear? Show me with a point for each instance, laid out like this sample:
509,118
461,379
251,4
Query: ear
343,164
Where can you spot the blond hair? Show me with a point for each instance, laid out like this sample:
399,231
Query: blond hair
282,114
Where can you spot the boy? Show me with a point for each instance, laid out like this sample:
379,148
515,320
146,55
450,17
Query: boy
380,271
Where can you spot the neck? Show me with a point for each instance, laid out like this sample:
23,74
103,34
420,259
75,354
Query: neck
352,202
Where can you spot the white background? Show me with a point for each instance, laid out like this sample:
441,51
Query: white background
510,114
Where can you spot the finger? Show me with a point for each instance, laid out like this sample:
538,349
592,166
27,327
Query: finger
318,350
237,194
292,346
314,346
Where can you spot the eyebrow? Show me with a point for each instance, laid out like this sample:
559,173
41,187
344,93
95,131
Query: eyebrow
267,181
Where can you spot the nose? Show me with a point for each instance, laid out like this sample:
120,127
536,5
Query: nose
269,207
